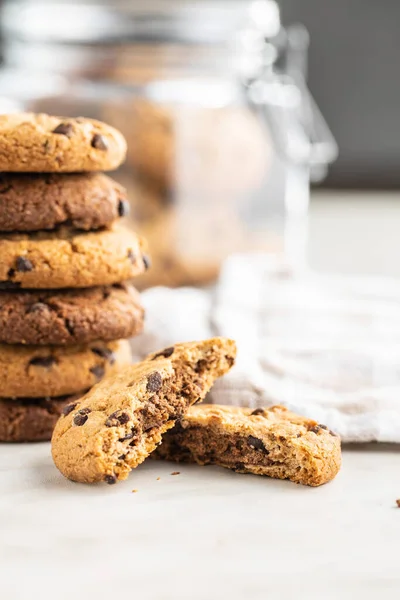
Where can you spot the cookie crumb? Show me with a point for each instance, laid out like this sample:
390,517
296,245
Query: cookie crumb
158,478
134,491
398,502
176,473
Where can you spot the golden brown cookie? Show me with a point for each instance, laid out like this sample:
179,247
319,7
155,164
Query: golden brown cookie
31,420
70,258
265,441
30,202
37,371
70,316
120,422
42,143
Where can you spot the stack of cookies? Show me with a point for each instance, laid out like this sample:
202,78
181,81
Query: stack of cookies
65,307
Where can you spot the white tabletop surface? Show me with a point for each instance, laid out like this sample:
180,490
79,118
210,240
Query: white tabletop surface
208,533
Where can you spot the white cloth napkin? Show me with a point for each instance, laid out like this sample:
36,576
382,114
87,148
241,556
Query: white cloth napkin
325,346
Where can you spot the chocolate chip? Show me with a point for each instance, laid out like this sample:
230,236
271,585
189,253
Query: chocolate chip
333,433
123,208
323,426
98,371
239,466
230,360
119,286
43,361
81,416
315,429
117,418
131,256
256,443
257,411
99,142
69,327
110,479
64,129
69,408
10,285
38,307
128,436
154,382
80,420
23,265
146,261
105,353
164,353
123,418
201,365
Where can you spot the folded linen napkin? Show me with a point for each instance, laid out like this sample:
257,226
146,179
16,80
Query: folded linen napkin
325,346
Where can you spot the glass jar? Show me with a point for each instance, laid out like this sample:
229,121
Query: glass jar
223,135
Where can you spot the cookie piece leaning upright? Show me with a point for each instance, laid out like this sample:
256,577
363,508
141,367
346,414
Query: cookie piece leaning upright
32,201
271,441
65,317
70,258
121,420
40,371
42,143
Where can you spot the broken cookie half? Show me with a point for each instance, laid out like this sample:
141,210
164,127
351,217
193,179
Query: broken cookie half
265,441
115,426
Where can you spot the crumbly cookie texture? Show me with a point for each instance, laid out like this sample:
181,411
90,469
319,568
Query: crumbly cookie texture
70,258
31,201
42,143
31,420
37,371
265,441
73,316
121,420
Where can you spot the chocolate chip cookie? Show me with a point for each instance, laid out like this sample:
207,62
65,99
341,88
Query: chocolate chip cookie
271,441
42,143
70,316
37,371
29,420
30,202
70,258
116,425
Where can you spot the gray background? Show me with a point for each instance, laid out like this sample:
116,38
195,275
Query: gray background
354,75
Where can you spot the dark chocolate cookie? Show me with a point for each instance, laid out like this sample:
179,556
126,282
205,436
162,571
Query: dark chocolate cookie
30,202
70,316
28,420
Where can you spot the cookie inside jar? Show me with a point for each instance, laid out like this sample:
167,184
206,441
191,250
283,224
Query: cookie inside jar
192,174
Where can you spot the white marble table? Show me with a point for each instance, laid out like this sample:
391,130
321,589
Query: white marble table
208,533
